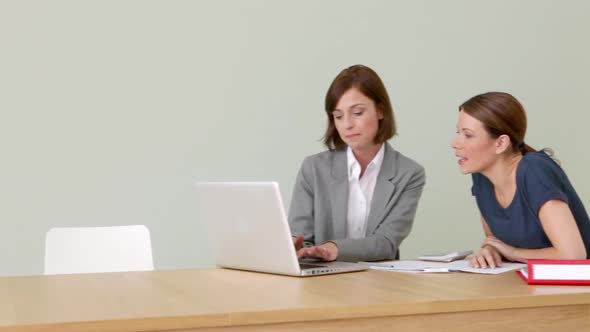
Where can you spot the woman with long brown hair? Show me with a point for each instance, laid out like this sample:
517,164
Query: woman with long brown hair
529,208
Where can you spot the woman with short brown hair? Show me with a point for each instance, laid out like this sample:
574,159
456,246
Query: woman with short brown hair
356,201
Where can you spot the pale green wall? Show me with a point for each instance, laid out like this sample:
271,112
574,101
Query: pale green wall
110,110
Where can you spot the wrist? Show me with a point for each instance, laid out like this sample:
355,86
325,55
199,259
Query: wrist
332,247
517,255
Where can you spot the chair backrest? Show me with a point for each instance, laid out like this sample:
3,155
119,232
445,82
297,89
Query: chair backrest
98,249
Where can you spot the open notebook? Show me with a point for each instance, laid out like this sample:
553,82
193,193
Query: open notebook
424,266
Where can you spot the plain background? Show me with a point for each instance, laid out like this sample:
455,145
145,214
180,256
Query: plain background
111,110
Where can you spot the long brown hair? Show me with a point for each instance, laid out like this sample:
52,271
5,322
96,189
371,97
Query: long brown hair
368,83
501,114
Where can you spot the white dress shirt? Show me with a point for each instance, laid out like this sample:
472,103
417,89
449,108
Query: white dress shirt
360,192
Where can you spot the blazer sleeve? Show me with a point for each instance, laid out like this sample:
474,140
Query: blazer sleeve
384,242
301,211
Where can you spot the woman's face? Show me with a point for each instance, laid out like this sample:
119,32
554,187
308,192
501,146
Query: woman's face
473,145
356,118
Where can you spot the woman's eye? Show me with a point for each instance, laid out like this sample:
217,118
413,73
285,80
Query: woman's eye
358,113
337,117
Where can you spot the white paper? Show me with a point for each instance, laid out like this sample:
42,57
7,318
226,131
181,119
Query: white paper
561,271
448,257
433,267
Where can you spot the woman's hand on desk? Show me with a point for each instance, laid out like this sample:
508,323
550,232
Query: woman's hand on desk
488,256
327,251
507,251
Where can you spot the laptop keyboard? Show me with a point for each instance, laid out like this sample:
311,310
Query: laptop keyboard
310,266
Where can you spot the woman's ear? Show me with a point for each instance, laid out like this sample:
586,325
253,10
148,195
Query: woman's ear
379,112
503,143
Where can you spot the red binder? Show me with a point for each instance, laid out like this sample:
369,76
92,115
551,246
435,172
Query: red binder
556,272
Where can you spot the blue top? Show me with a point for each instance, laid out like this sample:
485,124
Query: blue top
538,179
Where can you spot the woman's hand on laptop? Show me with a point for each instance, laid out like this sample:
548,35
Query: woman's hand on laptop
298,242
326,251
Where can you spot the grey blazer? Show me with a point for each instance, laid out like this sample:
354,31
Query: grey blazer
319,204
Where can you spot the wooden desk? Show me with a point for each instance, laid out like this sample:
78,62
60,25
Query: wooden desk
216,299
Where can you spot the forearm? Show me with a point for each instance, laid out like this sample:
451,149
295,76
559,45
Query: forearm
301,216
522,254
372,248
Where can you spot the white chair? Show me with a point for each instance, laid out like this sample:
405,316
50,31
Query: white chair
98,249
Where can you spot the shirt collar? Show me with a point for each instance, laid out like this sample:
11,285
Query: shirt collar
353,164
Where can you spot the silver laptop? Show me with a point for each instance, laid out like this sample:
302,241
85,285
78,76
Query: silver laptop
248,230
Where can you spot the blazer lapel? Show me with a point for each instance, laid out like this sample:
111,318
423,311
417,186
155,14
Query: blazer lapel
339,194
384,189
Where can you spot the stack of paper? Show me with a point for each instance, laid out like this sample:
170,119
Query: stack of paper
448,257
456,266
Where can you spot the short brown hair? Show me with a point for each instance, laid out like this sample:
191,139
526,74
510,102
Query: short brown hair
501,114
368,83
